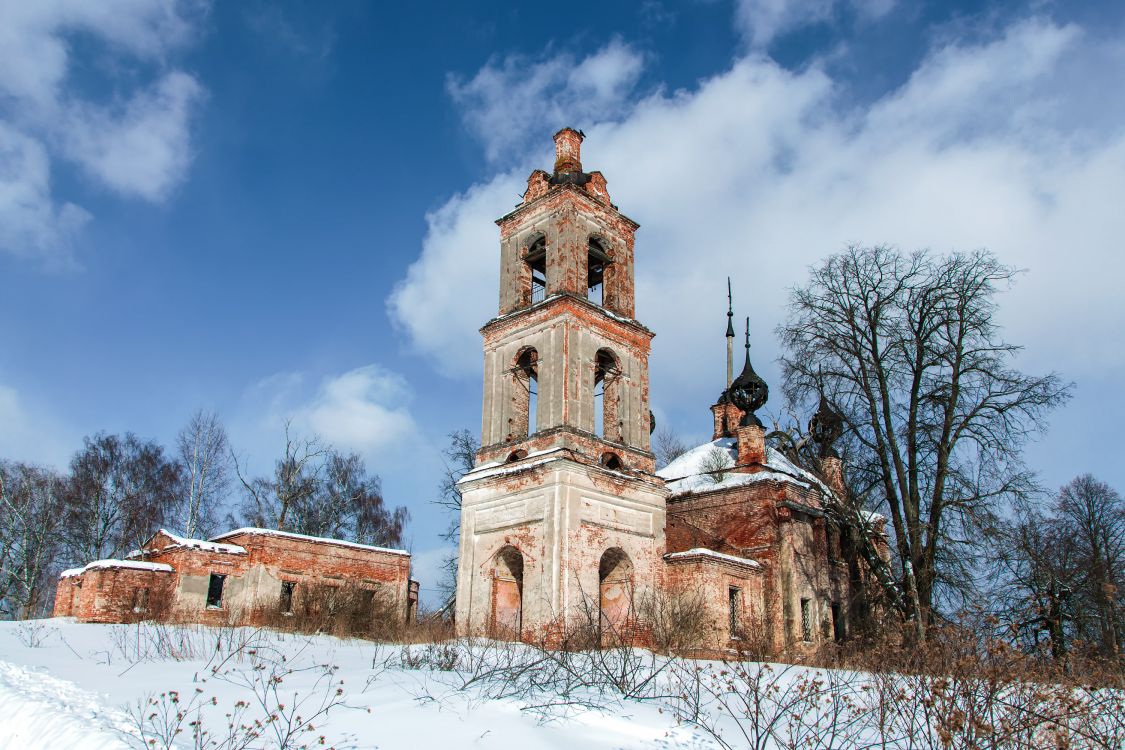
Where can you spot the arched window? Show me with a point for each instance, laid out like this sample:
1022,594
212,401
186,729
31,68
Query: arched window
607,396
525,397
536,261
596,261
516,456
507,594
611,461
615,599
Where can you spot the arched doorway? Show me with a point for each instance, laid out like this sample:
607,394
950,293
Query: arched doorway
615,594
507,595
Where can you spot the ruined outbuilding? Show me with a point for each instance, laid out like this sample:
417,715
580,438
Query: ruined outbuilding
565,521
247,576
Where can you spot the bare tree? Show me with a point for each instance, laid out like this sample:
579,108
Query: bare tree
668,446
269,501
318,491
1034,577
30,521
120,491
1092,516
205,456
460,456
905,345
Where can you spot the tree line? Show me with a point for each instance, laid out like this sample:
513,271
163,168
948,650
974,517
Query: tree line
118,490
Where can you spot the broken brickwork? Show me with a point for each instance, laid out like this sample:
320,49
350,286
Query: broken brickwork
564,520
246,577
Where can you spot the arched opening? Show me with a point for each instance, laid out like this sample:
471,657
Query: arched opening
615,595
507,594
536,261
516,456
607,400
525,394
611,461
596,261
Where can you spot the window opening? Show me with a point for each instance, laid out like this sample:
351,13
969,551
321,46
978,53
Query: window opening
615,600
837,623
526,372
606,374
806,620
734,605
536,260
286,604
215,590
612,461
140,599
596,262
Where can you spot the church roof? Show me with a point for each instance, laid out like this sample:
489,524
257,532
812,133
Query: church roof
688,473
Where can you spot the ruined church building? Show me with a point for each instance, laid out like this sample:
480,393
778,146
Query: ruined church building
565,520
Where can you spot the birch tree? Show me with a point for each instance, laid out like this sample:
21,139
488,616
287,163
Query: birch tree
204,454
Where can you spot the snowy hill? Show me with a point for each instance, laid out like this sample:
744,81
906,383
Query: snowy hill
112,687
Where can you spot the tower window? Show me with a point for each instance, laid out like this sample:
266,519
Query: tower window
806,620
596,261
611,461
607,396
525,396
536,260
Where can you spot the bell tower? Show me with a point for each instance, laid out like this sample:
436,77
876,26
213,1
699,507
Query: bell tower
562,514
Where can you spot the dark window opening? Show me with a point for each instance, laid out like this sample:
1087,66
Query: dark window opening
734,607
536,260
837,623
215,590
806,620
527,378
611,461
140,599
366,602
596,262
286,604
516,455
607,423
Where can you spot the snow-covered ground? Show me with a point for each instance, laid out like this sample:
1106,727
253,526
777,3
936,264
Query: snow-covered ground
111,687
79,684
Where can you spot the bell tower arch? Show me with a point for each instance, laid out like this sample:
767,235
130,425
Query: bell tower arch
565,461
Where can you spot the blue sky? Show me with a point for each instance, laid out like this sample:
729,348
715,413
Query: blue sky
284,211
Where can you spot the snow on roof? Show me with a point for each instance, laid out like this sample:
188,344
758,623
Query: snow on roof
495,468
132,564
704,552
200,544
686,474
324,540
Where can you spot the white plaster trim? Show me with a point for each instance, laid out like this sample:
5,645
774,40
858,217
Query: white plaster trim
704,552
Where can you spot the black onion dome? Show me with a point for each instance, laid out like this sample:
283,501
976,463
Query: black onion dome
748,391
825,427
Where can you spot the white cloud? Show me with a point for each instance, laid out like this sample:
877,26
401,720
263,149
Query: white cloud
760,21
362,410
135,141
145,148
31,224
508,102
365,410
760,172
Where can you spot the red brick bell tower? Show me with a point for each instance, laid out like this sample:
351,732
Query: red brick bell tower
562,513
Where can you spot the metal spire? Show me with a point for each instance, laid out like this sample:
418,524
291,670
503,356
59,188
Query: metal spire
730,334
